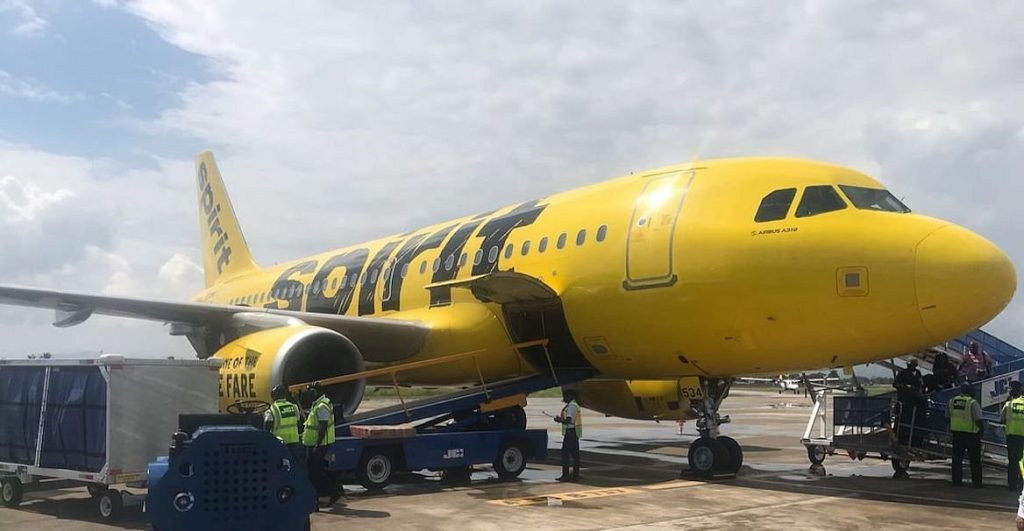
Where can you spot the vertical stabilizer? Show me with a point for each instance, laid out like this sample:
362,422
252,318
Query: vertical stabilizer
225,253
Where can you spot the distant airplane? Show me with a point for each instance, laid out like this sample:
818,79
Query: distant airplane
667,284
794,384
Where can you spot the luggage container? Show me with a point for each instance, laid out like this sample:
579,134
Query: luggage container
97,422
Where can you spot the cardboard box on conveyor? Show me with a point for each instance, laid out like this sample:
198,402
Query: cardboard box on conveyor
383,432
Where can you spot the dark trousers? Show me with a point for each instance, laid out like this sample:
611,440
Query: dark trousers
317,467
1014,452
298,452
971,443
571,450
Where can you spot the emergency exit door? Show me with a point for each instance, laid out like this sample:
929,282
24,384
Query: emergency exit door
652,231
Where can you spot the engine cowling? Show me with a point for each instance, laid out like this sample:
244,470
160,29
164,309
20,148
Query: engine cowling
255,363
635,399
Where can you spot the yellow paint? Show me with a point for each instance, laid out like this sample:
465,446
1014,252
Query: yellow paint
700,288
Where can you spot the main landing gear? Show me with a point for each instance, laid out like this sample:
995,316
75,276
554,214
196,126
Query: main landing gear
712,454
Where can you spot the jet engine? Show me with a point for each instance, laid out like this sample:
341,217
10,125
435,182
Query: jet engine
255,363
635,399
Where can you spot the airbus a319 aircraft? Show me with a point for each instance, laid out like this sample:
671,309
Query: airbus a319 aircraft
666,284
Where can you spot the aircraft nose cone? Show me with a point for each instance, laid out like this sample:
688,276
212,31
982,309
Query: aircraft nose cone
963,281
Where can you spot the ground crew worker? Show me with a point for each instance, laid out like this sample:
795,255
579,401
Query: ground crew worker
967,424
317,434
571,420
282,419
1012,416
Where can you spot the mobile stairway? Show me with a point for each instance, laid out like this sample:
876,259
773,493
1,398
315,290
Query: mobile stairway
869,426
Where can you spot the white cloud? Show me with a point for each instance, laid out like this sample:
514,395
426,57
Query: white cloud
354,120
30,89
26,21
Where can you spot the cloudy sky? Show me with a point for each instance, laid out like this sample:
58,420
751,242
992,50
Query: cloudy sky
334,122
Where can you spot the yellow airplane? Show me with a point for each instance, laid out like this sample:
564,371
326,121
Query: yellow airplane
666,283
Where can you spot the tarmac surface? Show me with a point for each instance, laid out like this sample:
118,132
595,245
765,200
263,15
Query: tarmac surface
631,479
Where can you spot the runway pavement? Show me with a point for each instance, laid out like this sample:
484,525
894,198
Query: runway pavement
631,480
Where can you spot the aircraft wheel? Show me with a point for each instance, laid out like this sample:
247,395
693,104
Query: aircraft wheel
95,491
735,453
511,460
375,469
111,505
816,454
707,456
12,491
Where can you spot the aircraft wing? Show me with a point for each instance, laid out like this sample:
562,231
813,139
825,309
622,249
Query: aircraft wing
377,338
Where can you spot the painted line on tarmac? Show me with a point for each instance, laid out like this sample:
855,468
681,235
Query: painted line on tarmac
980,505
565,496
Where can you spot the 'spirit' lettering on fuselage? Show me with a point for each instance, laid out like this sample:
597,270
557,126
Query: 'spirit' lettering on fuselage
365,275
211,209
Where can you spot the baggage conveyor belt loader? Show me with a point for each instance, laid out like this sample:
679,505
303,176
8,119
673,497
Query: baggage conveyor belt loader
482,425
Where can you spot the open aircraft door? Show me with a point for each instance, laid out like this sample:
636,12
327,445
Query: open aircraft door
652,230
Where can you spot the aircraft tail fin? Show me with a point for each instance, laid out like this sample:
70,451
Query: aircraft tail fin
225,253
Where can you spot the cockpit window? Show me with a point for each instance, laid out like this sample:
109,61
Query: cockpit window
775,205
873,199
818,200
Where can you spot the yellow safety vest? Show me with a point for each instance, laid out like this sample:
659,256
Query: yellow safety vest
312,429
1015,416
960,418
286,421
577,420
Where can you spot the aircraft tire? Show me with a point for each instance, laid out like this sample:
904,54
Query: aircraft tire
708,456
12,491
735,453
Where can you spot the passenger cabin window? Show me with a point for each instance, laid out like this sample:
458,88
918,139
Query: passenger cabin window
818,200
405,269
542,245
508,251
526,248
449,262
602,232
561,241
873,199
436,265
775,205
478,257
581,237
423,267
492,255
463,259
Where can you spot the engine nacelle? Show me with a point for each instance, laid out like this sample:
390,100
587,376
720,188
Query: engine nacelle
255,363
635,399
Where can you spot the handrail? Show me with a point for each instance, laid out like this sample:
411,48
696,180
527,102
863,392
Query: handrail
394,369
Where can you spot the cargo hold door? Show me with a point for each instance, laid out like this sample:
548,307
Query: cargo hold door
652,231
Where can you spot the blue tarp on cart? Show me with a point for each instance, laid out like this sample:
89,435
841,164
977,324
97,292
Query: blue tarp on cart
21,394
75,430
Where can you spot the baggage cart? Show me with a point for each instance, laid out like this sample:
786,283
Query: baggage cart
97,422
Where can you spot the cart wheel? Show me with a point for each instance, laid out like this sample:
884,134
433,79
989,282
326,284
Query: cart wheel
511,460
95,491
900,466
12,491
111,505
735,452
707,456
816,453
375,469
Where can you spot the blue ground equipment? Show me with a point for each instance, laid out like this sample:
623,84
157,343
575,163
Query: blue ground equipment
228,477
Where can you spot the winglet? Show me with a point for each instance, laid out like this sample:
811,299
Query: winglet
225,253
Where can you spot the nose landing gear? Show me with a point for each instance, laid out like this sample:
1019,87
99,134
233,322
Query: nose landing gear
713,455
